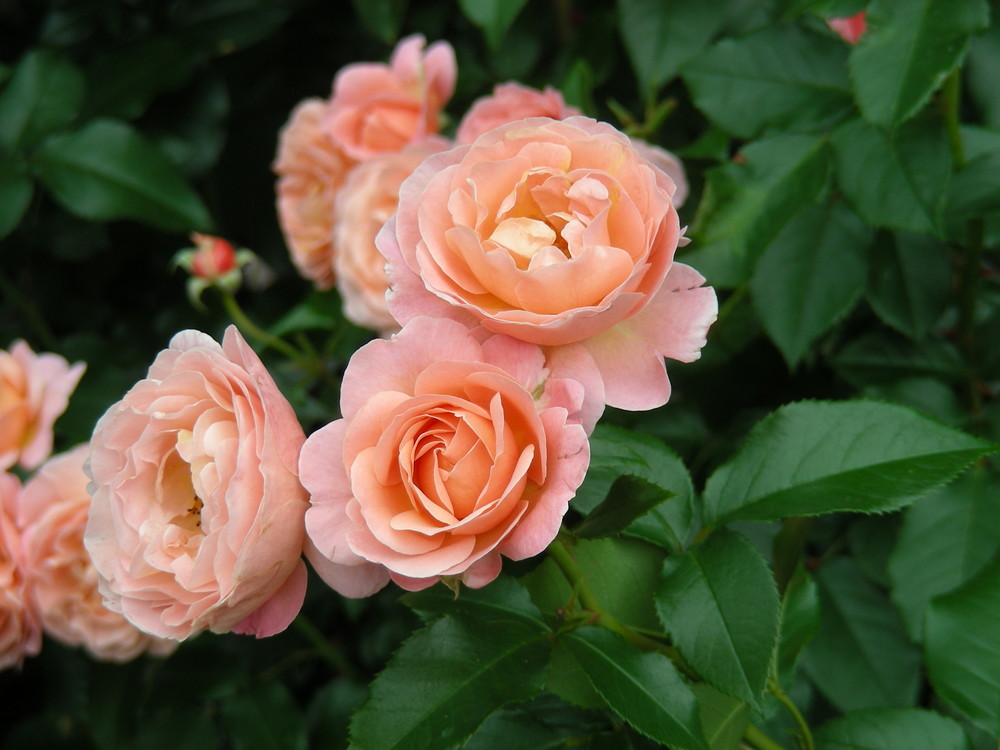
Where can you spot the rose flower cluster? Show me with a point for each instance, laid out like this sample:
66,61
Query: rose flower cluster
521,278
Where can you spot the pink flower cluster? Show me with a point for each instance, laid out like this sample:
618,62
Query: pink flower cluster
528,272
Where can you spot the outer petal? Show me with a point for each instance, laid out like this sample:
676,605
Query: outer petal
277,613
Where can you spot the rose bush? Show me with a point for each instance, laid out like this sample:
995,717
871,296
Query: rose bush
553,232
443,460
61,579
196,520
34,391
367,200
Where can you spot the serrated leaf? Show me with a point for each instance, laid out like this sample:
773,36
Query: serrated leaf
42,96
962,647
746,204
264,717
15,195
896,181
505,599
975,189
860,657
660,37
444,681
644,689
616,452
910,282
494,17
621,572
944,541
724,718
891,729
810,277
780,76
107,170
907,50
545,723
629,498
815,457
719,604
881,358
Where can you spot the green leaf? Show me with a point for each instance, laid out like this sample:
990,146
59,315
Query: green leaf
723,718
383,18
963,650
975,189
945,540
15,194
860,657
629,498
910,282
779,76
891,729
494,17
330,709
816,457
886,357
747,203
224,26
505,599
616,452
178,725
106,170
644,689
907,50
810,277
42,96
123,81
896,181
264,717
444,681
660,37
719,604
800,618
545,723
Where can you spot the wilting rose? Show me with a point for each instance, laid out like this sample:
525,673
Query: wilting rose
197,514
553,232
34,391
850,28
367,201
311,170
61,579
20,632
509,102
445,459
378,108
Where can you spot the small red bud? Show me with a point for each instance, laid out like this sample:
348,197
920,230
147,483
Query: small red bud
214,257
849,29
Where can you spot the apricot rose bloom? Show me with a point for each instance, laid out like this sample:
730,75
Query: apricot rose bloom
61,579
311,169
366,202
377,108
197,515
34,391
20,631
508,102
553,232
450,453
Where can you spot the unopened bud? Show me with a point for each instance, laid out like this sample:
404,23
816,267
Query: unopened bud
212,262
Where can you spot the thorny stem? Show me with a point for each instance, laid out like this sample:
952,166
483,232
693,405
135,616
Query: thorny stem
601,617
774,688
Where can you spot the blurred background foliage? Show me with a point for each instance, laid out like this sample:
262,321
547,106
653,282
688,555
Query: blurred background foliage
127,124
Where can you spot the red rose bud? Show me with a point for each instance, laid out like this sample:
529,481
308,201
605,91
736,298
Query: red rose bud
213,258
849,29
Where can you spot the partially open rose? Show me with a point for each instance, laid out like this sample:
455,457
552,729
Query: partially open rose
451,453
553,232
61,579
20,630
196,520
508,102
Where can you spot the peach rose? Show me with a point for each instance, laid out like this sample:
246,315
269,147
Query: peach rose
509,102
34,391
666,162
61,579
311,170
197,514
378,108
553,232
20,632
451,453
367,201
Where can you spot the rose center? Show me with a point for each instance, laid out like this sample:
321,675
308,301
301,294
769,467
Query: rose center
524,238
